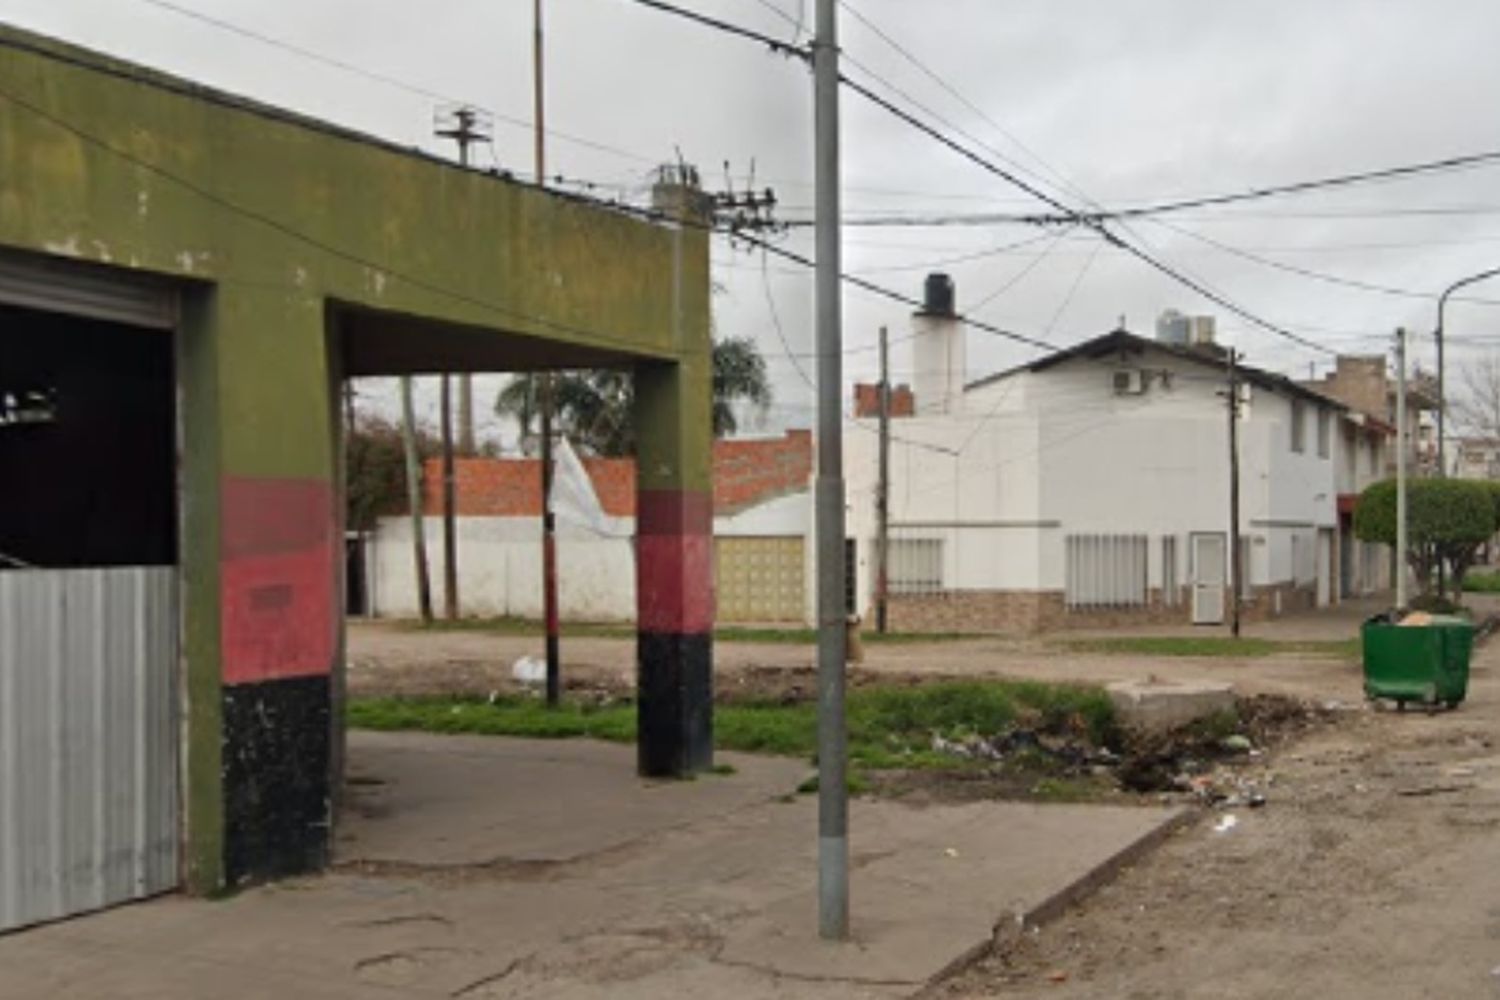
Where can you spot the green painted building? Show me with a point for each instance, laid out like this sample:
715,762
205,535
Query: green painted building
186,279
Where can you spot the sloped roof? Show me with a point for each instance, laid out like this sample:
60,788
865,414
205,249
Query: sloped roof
1120,341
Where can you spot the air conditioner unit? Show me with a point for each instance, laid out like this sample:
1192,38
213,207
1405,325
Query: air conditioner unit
1129,382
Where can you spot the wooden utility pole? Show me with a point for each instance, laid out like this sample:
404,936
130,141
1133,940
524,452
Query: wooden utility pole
549,522
414,499
1236,570
883,490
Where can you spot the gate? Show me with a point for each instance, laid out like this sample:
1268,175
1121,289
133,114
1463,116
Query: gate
88,739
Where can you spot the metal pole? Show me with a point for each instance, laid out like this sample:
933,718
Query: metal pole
450,525
1237,570
466,379
549,522
1442,393
414,498
1401,468
833,793
883,490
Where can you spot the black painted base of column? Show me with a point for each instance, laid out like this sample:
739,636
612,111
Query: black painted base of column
277,739
675,704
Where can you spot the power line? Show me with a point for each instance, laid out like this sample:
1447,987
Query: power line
774,44
381,78
1304,272
1093,222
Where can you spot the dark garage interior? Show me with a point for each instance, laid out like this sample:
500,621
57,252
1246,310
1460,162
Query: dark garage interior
87,443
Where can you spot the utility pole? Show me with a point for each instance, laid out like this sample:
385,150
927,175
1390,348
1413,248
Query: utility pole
883,490
549,522
833,792
1401,467
1236,570
465,126
414,499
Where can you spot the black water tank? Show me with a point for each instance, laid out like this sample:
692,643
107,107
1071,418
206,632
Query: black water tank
937,299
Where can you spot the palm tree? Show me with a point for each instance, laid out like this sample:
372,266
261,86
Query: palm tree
594,408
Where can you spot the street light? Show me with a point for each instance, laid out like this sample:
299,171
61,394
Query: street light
1438,335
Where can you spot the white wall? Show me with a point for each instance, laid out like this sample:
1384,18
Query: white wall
1035,456
500,562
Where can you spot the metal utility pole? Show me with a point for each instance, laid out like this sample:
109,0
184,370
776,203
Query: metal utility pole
1438,336
549,522
465,126
450,526
883,490
1401,467
414,498
833,792
1236,570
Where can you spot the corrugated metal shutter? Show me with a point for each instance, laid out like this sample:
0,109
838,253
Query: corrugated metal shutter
90,292
88,739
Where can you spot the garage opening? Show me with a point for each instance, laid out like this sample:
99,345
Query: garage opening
88,622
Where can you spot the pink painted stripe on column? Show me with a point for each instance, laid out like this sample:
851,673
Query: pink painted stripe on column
277,587
674,562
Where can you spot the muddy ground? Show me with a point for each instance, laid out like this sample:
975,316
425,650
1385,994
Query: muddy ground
1372,870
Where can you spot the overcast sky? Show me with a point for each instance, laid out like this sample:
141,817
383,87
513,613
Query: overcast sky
1116,103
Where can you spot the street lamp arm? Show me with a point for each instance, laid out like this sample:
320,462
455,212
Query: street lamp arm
1437,335
1462,283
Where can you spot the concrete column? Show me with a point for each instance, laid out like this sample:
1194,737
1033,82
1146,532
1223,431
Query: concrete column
674,569
260,553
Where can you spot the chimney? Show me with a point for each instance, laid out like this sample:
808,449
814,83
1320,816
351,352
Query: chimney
938,350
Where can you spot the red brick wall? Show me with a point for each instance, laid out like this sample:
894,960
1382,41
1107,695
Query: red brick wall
745,473
867,400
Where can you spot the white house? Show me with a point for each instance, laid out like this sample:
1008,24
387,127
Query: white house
761,520
1091,487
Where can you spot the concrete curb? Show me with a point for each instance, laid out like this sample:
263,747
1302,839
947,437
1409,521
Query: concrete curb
1008,931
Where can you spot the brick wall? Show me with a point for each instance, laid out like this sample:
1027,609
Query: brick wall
746,473
867,400
1019,611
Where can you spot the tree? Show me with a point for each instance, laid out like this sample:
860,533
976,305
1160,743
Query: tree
375,470
595,408
1476,410
1447,521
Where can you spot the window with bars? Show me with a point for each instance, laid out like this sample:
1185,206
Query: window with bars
1299,428
916,566
1105,571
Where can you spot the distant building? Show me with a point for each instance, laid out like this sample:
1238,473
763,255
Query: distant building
1091,487
1363,383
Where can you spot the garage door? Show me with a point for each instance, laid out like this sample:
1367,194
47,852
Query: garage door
760,579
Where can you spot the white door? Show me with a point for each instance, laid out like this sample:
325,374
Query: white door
1325,566
1208,579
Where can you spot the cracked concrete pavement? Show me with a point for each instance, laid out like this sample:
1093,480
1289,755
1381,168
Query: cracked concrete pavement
479,867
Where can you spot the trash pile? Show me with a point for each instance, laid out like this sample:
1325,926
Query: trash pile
1065,753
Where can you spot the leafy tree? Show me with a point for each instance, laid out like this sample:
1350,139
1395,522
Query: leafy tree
375,469
595,408
1447,521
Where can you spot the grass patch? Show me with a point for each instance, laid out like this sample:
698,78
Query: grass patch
889,727
1211,645
1482,583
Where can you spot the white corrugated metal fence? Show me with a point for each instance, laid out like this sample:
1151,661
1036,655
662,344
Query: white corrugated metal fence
88,739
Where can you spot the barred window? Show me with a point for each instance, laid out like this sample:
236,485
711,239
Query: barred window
1105,571
916,565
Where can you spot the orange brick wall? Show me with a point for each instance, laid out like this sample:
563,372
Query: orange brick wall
746,473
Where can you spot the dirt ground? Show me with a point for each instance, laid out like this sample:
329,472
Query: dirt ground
1371,871
394,659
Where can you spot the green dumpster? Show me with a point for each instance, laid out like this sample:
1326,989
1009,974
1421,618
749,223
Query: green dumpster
1426,663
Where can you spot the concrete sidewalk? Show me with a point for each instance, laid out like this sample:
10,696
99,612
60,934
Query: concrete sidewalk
482,867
